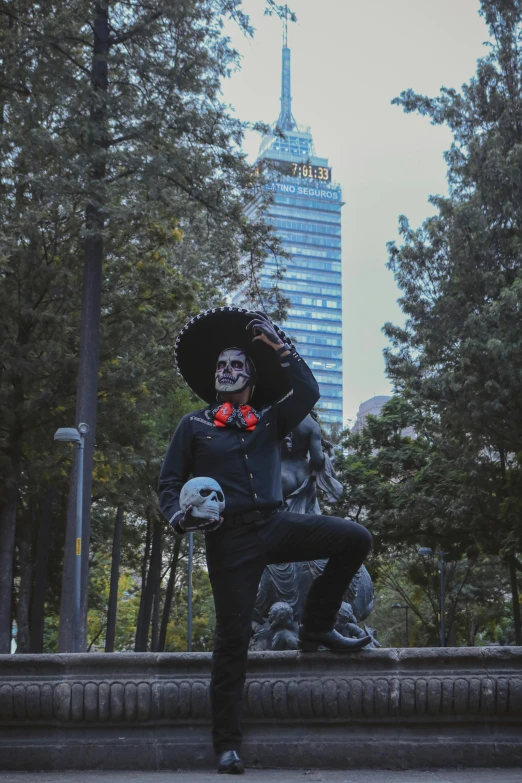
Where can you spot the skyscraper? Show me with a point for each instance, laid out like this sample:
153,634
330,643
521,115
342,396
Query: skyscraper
306,212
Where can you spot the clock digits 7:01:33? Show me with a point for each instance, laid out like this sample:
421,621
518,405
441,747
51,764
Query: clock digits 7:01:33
310,171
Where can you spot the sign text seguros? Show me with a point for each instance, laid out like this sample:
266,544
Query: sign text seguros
304,190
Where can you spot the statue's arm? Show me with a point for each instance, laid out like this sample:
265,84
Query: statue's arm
316,448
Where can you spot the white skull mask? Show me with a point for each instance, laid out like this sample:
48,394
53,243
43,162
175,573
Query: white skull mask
233,371
205,496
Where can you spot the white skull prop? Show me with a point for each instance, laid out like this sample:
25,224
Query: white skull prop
205,496
233,371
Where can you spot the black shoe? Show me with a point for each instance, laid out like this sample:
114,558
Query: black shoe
229,763
334,641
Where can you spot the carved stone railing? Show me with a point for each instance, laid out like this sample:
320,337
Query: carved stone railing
389,708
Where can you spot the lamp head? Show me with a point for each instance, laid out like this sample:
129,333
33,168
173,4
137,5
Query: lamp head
67,434
425,550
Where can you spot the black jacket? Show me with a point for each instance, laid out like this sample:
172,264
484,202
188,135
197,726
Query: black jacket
247,465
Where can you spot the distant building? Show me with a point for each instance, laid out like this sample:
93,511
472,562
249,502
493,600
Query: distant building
306,212
371,407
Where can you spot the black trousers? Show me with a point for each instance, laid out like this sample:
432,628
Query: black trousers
236,557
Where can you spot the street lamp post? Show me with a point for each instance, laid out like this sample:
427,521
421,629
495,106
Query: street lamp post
426,550
406,633
73,435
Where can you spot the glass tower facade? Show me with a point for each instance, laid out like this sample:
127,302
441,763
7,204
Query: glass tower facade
306,213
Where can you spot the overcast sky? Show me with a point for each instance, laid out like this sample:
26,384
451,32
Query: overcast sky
349,59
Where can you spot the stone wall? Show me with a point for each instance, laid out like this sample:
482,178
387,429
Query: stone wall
378,708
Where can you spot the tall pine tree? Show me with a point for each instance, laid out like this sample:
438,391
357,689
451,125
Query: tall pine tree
459,356
122,188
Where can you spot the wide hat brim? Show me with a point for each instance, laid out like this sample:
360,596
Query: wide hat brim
204,337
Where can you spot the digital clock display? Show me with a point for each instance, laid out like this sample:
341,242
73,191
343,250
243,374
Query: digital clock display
309,171
304,170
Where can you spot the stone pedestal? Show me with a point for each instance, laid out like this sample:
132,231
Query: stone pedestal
379,708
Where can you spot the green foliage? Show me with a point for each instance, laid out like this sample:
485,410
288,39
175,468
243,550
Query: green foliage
442,467
203,616
477,609
157,158
129,593
459,357
460,350
128,605
412,481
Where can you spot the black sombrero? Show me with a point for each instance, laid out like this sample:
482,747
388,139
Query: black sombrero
204,337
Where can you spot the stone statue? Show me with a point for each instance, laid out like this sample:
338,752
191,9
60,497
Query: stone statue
279,632
346,625
306,464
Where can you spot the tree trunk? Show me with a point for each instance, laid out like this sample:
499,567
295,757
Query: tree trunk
115,574
142,635
155,614
451,635
168,596
23,641
451,628
7,547
473,629
516,600
87,388
144,569
43,549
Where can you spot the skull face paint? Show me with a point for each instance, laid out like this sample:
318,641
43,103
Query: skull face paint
205,496
233,371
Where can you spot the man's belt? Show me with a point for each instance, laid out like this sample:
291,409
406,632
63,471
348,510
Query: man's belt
249,517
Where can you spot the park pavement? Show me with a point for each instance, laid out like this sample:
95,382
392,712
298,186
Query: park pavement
274,776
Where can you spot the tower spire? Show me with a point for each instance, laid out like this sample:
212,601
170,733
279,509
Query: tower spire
286,120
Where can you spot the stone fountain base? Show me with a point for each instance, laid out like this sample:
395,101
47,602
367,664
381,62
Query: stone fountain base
383,708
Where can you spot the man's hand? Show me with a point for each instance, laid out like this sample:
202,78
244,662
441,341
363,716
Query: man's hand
263,329
190,524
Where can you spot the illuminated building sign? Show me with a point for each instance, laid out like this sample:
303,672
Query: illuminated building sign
310,191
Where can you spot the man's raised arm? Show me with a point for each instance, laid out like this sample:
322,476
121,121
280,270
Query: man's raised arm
303,394
304,391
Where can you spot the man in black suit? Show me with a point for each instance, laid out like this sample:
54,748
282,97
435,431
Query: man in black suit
262,390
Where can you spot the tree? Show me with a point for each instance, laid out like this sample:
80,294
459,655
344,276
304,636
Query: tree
459,355
414,484
39,283
115,575
477,611
161,126
121,181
